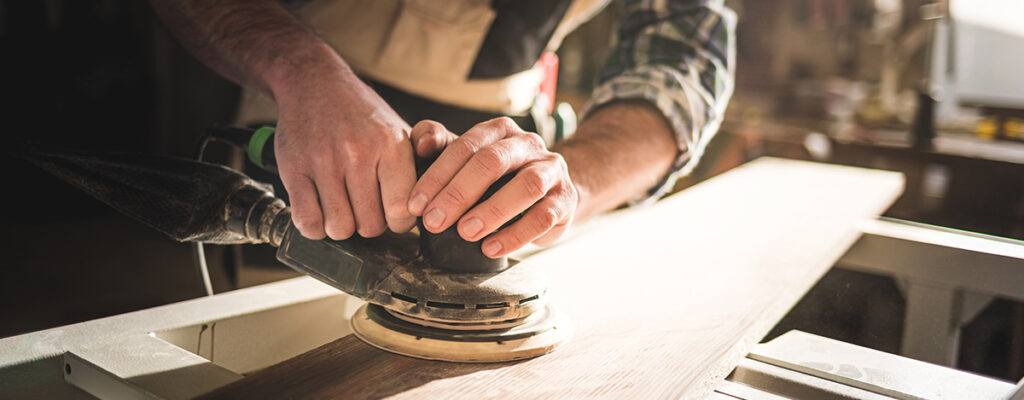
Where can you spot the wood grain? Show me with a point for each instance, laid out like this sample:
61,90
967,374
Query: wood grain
665,299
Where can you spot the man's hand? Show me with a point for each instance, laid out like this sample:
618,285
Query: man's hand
470,164
344,156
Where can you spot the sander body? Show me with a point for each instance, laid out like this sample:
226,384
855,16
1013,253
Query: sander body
431,296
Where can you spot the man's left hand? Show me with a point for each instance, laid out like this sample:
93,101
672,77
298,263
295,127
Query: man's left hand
470,164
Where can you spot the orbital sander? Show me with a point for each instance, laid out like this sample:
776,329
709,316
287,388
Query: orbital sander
420,308
430,296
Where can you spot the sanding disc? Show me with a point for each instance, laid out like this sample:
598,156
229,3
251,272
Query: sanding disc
536,335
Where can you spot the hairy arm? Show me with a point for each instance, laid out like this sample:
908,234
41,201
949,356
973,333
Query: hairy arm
618,152
660,99
255,43
343,154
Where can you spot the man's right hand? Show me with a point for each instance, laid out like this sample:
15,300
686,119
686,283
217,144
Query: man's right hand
344,157
343,154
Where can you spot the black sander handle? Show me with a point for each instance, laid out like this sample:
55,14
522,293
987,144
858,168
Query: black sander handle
447,250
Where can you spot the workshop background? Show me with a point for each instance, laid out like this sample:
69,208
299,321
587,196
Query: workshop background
870,83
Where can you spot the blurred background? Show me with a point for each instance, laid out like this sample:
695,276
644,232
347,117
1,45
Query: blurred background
933,89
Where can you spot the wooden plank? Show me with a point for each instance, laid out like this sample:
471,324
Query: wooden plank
665,299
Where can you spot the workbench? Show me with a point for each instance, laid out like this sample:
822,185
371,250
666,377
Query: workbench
666,300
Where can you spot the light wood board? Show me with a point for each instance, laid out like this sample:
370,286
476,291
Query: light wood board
665,299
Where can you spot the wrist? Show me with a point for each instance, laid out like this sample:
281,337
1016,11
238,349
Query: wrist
580,158
304,69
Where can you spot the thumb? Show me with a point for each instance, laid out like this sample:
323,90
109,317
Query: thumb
429,138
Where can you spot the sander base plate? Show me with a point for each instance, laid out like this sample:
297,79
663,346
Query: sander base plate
538,334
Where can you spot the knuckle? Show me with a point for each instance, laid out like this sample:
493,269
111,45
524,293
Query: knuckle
503,123
574,197
394,137
357,162
533,140
435,138
463,149
421,126
339,228
401,225
508,123
493,213
433,183
306,221
551,236
497,122
429,142
371,226
493,160
396,207
517,238
535,182
556,160
437,130
546,218
318,162
371,231
339,232
453,195
427,126
350,153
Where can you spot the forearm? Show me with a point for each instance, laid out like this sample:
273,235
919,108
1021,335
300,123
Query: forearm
676,57
256,43
618,153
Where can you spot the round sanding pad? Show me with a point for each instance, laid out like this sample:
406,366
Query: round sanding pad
538,334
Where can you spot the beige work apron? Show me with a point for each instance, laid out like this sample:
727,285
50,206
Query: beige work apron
424,47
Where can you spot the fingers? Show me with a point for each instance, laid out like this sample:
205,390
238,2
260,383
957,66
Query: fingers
349,196
451,161
306,215
429,138
326,209
374,187
397,175
527,187
483,169
552,214
467,167
337,211
549,238
351,158
364,194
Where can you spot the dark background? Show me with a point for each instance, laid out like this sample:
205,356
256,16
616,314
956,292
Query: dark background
93,76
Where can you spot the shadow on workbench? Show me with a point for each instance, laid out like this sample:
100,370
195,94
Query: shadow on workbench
317,373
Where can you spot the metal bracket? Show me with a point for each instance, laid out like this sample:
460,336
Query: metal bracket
805,366
948,277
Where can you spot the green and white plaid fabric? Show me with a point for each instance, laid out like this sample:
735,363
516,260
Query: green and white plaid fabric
680,56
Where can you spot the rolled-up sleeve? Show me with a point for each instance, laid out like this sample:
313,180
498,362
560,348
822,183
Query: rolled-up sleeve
679,55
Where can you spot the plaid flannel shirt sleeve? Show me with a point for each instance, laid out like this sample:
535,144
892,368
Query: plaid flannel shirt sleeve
679,55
